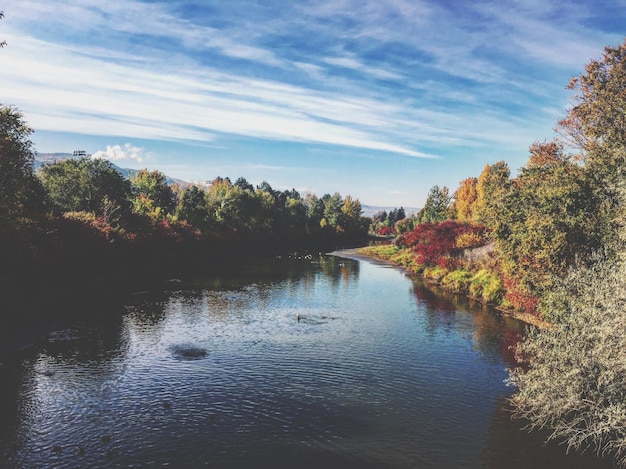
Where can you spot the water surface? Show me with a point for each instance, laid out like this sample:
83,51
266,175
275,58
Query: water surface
285,362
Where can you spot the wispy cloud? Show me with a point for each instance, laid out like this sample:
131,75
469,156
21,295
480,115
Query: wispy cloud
415,78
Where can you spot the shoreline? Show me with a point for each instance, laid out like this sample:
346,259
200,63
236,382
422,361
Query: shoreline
526,318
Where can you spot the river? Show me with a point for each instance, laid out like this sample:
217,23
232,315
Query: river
301,361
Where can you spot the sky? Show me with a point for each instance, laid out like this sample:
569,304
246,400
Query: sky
377,99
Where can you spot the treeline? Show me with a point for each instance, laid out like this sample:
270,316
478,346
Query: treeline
78,226
93,190
557,230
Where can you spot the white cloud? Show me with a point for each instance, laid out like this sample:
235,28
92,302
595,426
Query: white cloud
119,153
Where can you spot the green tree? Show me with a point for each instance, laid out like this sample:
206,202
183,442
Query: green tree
545,221
314,212
90,185
436,206
192,207
597,125
333,215
20,191
152,195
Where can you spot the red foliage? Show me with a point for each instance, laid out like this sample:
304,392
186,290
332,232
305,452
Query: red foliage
385,231
435,243
518,299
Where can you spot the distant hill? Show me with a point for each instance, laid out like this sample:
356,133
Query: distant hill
370,210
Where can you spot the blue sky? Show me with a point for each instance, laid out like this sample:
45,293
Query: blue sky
378,99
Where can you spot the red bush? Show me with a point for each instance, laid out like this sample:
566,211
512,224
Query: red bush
385,231
520,300
435,243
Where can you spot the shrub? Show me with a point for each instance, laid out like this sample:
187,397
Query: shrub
434,273
433,242
486,286
406,258
470,240
458,280
519,299
573,382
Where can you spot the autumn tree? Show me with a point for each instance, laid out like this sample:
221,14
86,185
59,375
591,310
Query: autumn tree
545,221
464,200
597,121
596,124
492,184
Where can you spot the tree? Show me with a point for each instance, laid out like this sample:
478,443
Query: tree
152,195
465,198
492,184
596,124
436,206
333,215
20,191
351,213
243,183
192,207
86,184
314,212
545,222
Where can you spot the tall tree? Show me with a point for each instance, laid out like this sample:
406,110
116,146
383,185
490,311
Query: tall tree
465,197
492,184
546,221
192,207
20,191
436,206
597,125
597,122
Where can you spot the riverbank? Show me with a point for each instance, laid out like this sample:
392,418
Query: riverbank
366,253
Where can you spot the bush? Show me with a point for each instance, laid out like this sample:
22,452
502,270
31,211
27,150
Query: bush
458,280
487,286
470,240
435,273
574,379
436,243
406,258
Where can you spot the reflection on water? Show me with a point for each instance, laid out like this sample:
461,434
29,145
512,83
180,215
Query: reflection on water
278,363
